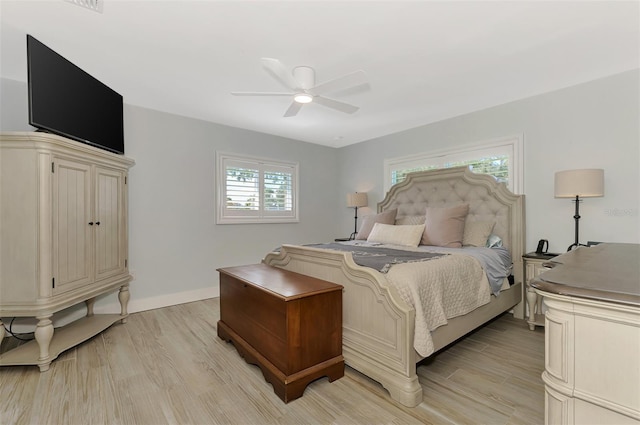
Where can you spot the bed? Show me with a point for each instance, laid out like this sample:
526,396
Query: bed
378,325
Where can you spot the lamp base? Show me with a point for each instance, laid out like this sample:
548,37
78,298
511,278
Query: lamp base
355,225
574,246
576,217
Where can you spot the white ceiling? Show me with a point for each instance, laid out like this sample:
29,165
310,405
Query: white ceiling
425,61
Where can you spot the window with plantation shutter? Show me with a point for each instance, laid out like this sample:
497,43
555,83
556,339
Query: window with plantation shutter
256,190
501,158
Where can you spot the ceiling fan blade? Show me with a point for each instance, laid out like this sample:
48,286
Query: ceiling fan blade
350,80
281,73
251,93
293,109
334,104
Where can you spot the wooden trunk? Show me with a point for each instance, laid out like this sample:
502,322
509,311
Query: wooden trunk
288,324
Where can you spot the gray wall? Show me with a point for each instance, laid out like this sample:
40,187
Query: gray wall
174,244
592,125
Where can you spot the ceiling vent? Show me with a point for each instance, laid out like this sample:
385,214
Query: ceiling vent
95,5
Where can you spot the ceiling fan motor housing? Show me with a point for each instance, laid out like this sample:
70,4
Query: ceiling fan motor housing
305,77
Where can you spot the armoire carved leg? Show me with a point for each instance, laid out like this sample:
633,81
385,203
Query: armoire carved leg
123,297
90,302
44,334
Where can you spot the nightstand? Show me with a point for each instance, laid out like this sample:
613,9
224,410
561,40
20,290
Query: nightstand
533,266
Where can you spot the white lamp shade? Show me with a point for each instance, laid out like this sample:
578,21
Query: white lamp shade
588,183
358,199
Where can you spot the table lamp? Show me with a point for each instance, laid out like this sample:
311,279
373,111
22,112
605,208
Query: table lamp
586,183
355,200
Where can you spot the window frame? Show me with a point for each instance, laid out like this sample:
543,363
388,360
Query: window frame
513,146
261,215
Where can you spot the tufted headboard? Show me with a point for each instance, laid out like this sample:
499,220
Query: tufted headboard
488,201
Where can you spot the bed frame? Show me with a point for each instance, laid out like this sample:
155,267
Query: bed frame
378,326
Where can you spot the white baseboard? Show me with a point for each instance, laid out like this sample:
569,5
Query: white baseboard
27,324
159,301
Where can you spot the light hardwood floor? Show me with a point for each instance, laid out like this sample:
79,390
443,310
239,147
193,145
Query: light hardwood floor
168,366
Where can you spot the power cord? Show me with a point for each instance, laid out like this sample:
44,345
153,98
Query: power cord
15,334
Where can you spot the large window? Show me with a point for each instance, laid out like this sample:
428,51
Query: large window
501,158
256,190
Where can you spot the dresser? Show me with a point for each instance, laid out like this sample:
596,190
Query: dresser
63,238
288,324
592,335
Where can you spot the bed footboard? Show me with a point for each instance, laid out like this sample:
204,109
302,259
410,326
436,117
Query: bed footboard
377,325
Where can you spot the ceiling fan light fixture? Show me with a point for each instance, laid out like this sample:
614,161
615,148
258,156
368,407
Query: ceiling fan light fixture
301,83
303,98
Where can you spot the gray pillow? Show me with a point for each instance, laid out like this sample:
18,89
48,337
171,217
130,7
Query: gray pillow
476,233
410,220
387,217
445,226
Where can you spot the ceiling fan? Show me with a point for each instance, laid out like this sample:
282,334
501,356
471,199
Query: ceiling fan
303,88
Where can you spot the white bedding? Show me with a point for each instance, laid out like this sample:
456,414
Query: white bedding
438,289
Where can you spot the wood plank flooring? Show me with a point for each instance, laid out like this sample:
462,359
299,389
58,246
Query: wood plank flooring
167,366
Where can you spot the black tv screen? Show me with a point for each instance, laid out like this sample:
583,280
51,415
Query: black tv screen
65,100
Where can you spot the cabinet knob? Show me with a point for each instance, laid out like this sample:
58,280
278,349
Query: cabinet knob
97,223
91,223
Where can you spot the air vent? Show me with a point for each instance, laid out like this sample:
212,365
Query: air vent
95,5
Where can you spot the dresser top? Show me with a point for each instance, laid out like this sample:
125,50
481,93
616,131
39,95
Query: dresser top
604,272
283,283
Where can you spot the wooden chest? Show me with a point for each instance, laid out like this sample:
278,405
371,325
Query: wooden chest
288,324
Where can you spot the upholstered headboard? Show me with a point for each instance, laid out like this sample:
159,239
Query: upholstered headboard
488,201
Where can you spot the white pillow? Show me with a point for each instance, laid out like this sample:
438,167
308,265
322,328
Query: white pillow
407,235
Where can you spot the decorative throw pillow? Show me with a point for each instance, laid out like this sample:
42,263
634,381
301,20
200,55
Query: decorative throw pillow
387,217
445,226
494,241
407,235
410,219
476,233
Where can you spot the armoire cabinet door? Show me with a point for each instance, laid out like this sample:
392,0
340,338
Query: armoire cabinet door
72,233
110,213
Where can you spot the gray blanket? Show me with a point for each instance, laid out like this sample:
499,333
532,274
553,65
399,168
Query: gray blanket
380,259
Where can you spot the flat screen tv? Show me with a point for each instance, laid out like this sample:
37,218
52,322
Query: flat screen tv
65,100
